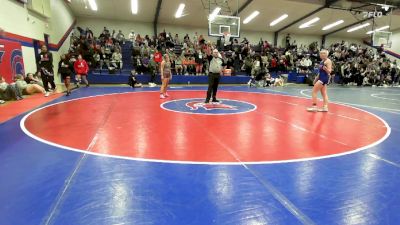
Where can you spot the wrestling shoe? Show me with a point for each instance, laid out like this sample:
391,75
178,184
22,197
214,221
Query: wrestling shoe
312,109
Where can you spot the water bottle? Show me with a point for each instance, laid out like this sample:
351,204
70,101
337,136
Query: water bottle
188,82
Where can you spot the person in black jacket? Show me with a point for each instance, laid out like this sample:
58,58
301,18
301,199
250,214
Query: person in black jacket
65,70
45,67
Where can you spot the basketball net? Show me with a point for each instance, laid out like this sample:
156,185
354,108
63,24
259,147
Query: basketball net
227,37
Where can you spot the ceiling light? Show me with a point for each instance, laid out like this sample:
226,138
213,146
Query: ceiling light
307,24
358,27
382,28
273,23
252,16
93,5
386,7
214,13
379,29
134,6
179,11
329,26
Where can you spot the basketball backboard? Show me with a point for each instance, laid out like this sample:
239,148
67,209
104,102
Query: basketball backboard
223,24
380,38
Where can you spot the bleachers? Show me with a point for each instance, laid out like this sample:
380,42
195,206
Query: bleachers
105,78
126,55
121,77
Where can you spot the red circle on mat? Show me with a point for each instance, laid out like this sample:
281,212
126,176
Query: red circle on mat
133,125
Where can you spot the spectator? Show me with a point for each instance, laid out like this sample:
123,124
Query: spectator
138,65
116,59
145,64
256,67
196,38
153,71
157,57
33,79
8,91
104,58
268,79
199,61
81,70
120,37
89,34
133,81
27,89
96,60
176,39
279,82
65,69
287,40
248,65
186,39
178,65
132,37
45,67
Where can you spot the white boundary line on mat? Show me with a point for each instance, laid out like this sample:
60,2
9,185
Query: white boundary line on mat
27,132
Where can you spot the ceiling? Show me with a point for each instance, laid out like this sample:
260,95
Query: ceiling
196,12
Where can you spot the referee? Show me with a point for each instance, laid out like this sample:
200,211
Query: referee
217,67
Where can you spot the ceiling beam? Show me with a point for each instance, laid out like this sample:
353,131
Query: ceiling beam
348,26
247,3
158,9
383,2
327,4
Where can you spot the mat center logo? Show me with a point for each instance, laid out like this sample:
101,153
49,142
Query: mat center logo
197,106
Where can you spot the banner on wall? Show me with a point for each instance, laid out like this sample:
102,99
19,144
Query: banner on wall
11,60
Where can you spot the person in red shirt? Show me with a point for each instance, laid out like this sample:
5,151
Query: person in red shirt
81,70
273,64
158,57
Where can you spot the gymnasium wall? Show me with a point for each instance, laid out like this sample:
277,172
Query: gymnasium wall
16,19
334,39
97,26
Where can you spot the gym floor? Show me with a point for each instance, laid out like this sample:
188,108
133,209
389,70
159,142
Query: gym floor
117,155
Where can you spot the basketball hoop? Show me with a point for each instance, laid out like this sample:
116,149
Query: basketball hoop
227,37
222,24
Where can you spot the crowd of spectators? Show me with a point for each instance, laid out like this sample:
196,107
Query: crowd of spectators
354,64
362,66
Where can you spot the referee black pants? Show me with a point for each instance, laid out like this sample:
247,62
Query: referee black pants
213,81
46,80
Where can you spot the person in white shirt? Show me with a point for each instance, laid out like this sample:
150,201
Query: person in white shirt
307,63
117,59
132,37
